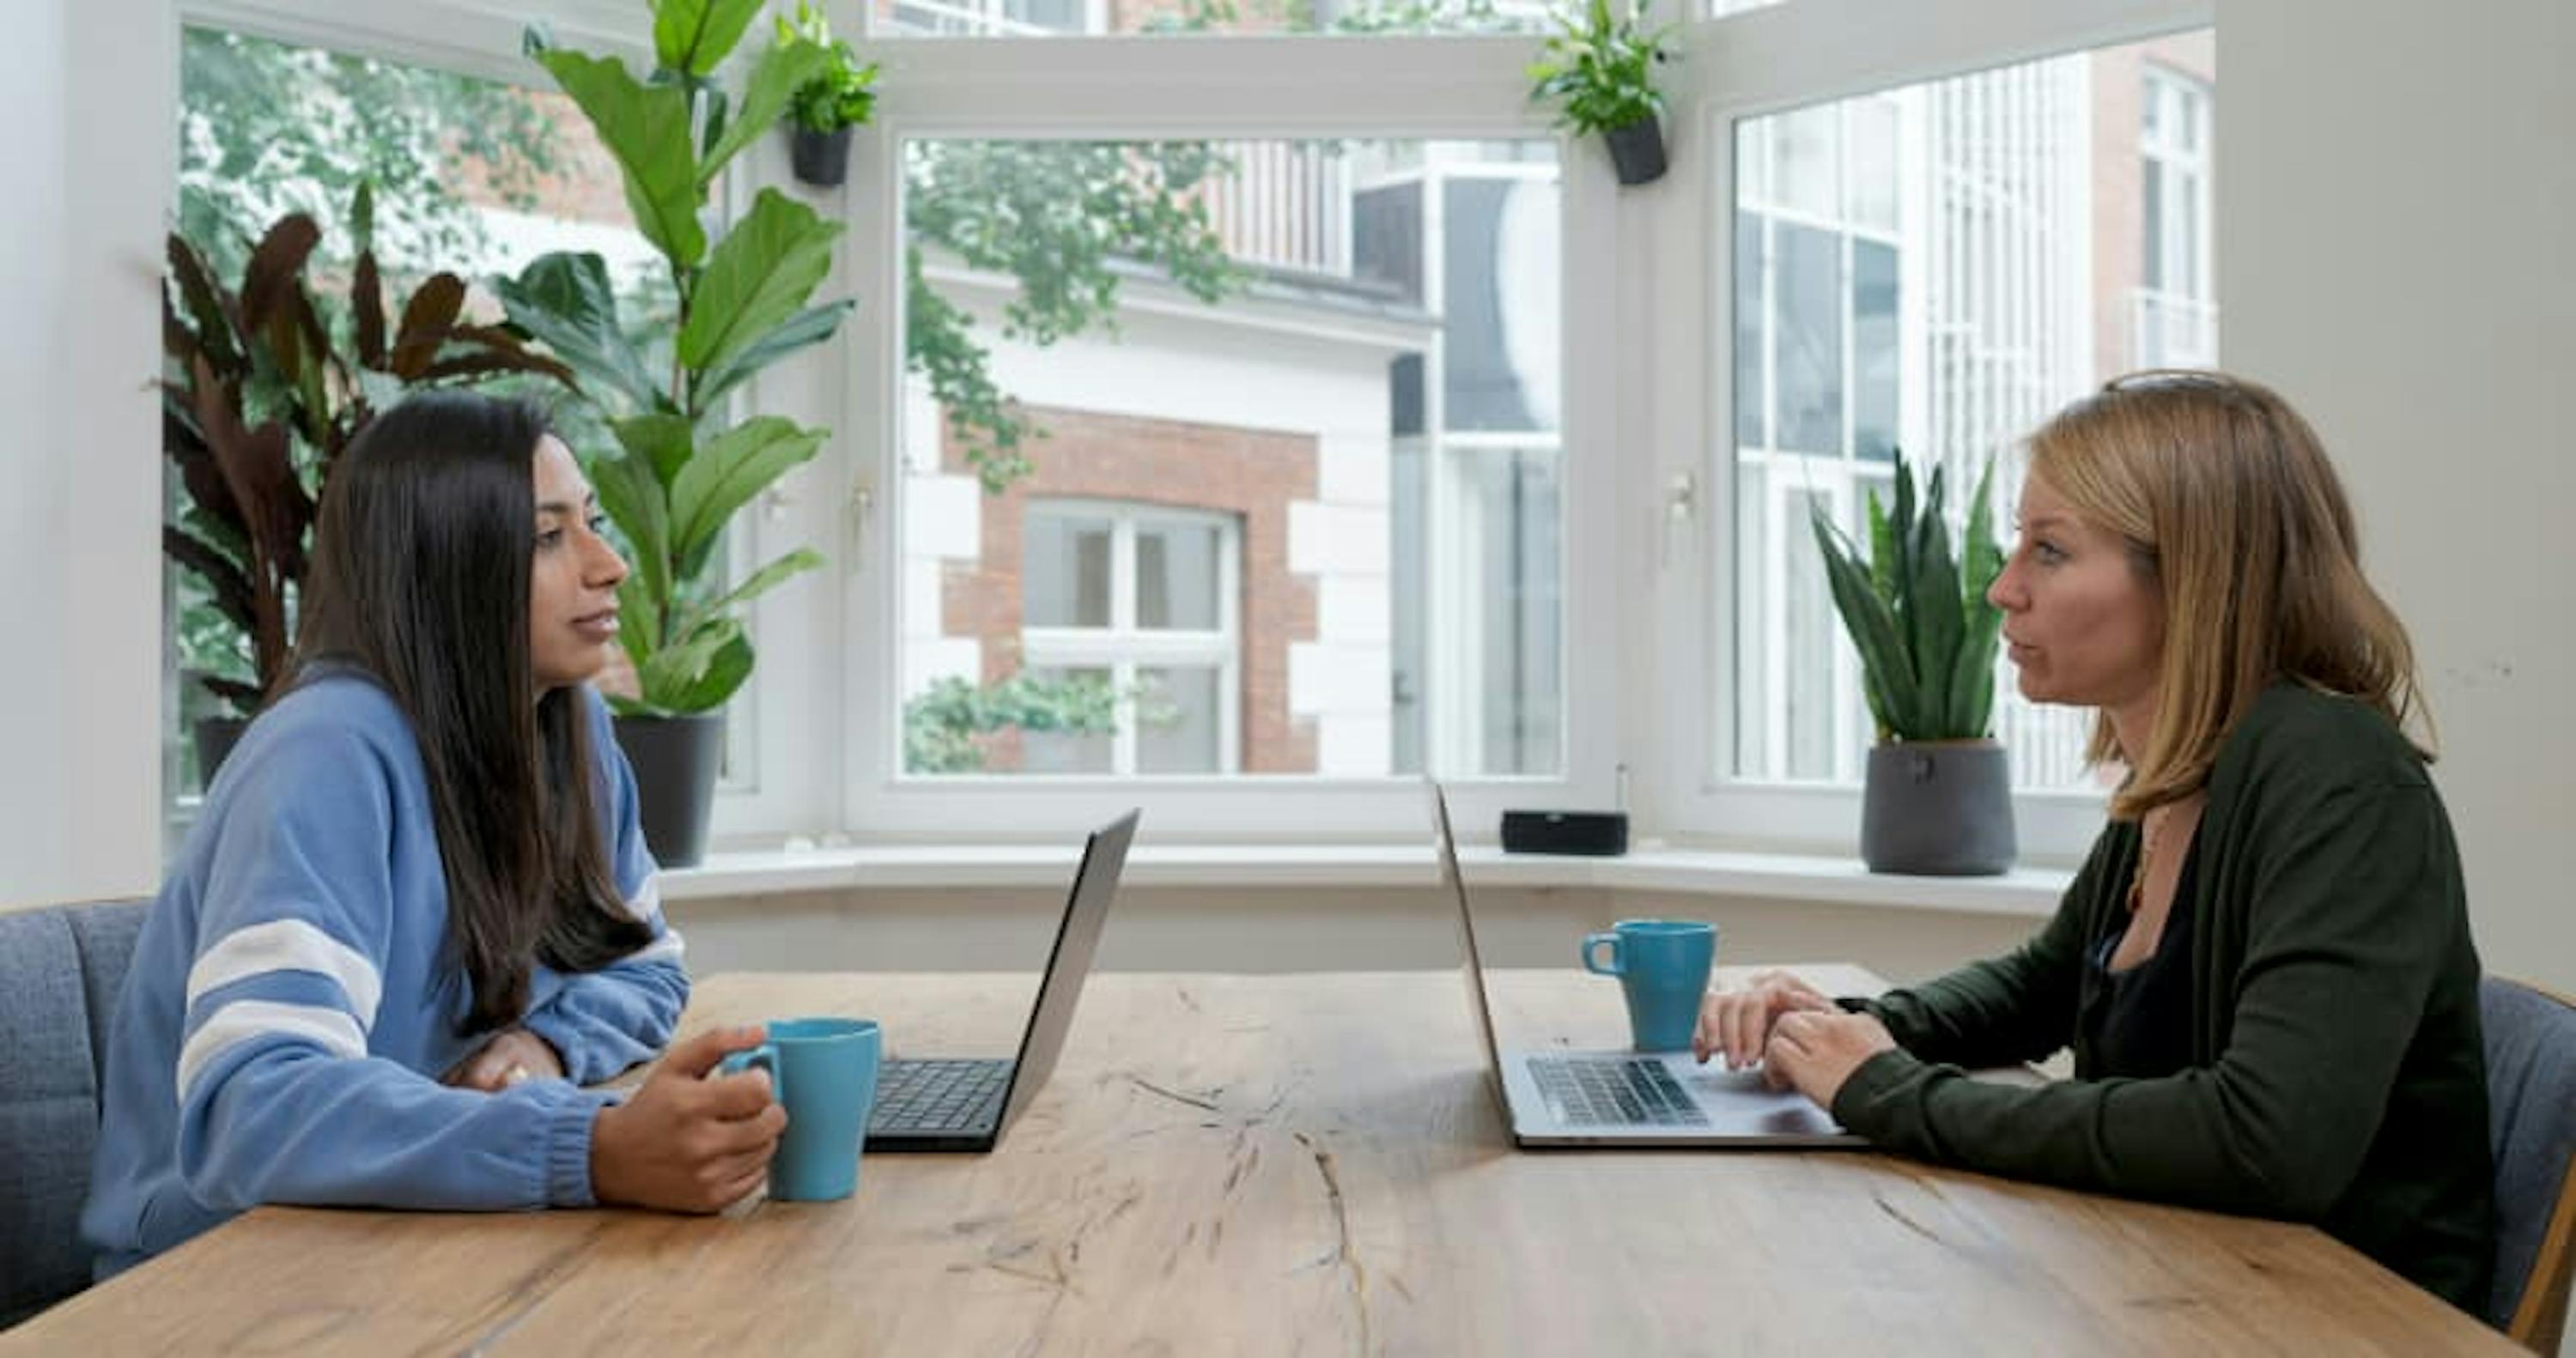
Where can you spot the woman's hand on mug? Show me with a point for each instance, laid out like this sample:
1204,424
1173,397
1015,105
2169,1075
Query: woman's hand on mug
684,1142
1736,1024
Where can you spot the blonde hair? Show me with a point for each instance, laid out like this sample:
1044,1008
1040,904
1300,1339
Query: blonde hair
2230,510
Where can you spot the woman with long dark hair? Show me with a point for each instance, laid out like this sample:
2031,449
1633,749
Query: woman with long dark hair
416,915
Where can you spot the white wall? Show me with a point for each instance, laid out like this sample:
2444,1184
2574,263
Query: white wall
86,91
1192,929
2396,204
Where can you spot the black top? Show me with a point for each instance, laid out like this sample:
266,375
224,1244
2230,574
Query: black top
2139,1019
2335,1071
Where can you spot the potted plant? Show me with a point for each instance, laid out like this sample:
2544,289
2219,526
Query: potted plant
829,105
686,464
1600,66
1939,794
260,396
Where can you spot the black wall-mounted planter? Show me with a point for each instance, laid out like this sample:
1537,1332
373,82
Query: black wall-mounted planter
1637,151
821,159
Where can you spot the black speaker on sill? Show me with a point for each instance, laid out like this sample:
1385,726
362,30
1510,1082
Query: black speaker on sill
1600,834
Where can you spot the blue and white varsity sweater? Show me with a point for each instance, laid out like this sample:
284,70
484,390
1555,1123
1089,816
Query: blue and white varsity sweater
292,1002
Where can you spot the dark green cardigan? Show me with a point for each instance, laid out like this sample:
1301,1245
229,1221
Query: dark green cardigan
2336,1070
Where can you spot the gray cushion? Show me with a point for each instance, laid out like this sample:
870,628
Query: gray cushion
2531,1107
59,972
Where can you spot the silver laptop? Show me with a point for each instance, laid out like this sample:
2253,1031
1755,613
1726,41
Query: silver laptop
965,1103
1559,1097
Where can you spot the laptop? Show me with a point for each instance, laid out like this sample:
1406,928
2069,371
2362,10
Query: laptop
1560,1097
964,1103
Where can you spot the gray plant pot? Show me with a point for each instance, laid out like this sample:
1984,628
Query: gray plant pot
1938,809
676,760
214,738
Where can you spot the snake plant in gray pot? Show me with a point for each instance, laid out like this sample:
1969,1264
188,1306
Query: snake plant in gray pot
1938,800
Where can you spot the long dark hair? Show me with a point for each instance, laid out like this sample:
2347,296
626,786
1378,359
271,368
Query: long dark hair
419,579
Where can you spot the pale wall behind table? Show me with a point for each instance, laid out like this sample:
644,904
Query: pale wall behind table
2396,204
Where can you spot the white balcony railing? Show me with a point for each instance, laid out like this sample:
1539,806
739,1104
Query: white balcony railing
2168,330
1284,205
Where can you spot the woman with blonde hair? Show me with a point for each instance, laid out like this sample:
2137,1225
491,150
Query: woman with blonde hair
2264,966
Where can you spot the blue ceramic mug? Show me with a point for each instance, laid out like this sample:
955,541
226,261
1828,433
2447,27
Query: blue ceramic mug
824,1072
1662,966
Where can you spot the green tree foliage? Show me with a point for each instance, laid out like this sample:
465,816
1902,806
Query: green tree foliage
1062,218
267,129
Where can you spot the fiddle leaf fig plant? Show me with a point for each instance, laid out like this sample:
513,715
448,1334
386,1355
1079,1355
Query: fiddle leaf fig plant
1917,613
684,465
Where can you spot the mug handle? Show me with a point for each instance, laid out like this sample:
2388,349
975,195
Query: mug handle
1591,946
764,1056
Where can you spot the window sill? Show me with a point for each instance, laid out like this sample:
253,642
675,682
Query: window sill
2023,891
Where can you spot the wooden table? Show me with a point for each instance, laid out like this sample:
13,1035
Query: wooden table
1279,1164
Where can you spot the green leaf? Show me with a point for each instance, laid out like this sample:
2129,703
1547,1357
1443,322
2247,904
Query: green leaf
635,502
1972,676
1984,557
681,677
639,620
664,442
762,581
1935,603
1882,551
813,325
695,36
646,127
766,267
724,674
723,476
565,301
781,71
1886,664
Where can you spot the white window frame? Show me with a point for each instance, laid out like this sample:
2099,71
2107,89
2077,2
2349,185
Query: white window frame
1124,647
1750,65
1220,88
779,780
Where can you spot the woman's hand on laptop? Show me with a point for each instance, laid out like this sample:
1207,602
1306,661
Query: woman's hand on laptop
1736,1024
1817,1052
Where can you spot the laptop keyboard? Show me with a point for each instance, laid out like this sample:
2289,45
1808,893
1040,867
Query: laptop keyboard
1614,1092
939,1096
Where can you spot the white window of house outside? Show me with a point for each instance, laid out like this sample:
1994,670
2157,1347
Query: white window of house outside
1141,602
2174,314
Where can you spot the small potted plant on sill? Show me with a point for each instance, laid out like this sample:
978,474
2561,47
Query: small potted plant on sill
1599,67
1938,801
826,107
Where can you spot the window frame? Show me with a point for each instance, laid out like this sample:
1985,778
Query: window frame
1218,88
1750,65
777,779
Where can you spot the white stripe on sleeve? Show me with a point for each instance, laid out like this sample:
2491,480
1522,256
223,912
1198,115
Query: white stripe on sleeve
669,947
243,1020
288,945
646,904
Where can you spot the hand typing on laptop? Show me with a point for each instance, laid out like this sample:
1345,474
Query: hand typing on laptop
1737,1024
1800,1036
